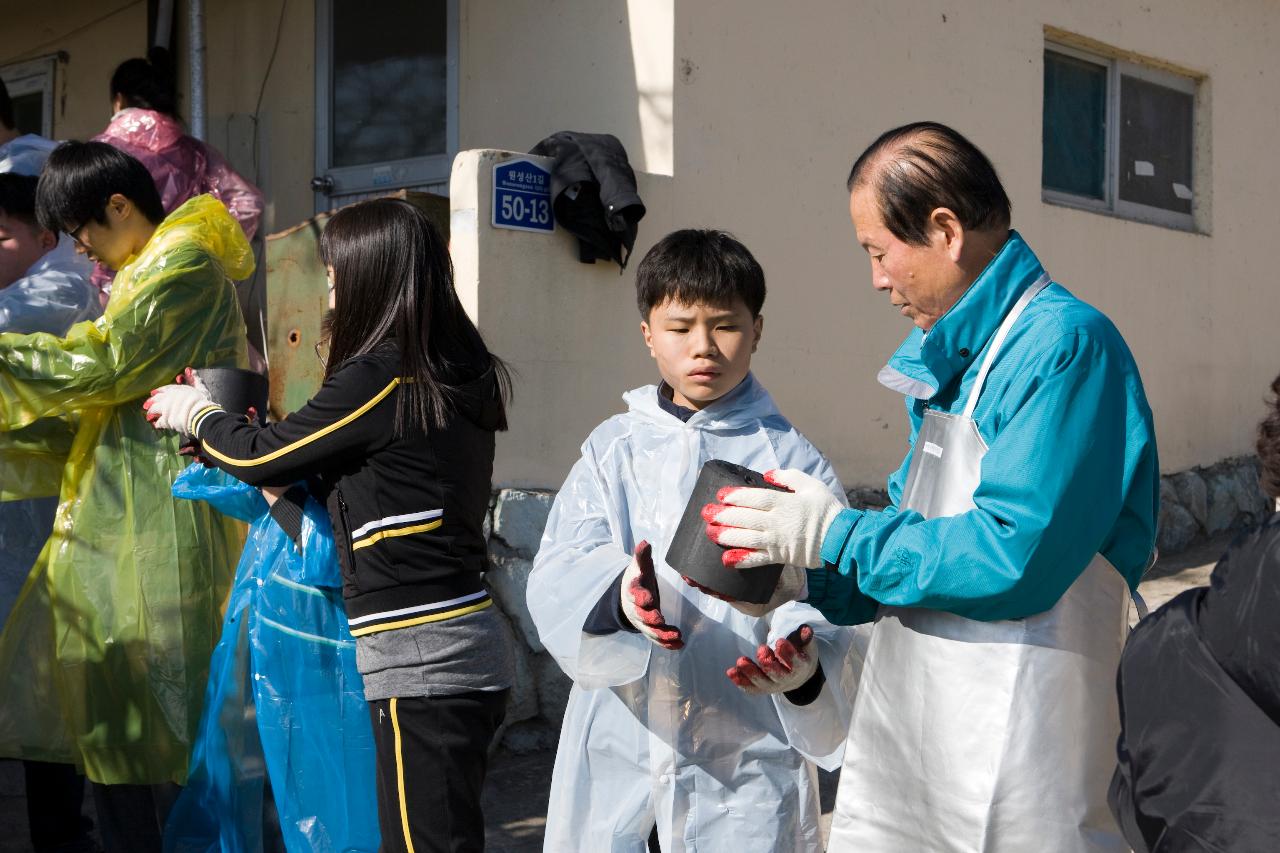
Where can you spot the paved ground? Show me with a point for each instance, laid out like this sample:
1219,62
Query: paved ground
516,793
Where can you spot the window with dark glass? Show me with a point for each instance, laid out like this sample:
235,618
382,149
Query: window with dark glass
1155,145
1075,126
389,77
1118,137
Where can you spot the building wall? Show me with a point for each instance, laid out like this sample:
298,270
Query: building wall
756,111
600,66
770,107
240,35
94,45
769,161
570,331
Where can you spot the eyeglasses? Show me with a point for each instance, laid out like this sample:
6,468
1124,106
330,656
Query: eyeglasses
75,234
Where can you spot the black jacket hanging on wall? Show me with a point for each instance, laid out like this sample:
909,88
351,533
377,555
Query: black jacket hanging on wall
593,192
1200,712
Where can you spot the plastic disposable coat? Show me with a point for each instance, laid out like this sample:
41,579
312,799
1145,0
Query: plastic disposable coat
183,166
26,154
284,700
104,659
53,295
652,735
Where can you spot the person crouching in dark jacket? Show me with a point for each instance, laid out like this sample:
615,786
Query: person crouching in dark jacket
1199,690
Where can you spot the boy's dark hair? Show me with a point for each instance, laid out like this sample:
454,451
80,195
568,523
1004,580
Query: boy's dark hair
147,83
1269,445
6,108
18,197
79,179
917,168
699,266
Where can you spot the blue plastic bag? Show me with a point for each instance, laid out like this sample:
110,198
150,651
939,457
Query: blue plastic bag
284,699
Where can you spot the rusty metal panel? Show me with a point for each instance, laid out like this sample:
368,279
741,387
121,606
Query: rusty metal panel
297,297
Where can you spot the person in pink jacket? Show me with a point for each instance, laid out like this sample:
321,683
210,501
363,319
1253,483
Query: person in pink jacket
145,125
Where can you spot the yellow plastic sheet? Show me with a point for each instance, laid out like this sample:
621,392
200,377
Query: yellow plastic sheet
104,659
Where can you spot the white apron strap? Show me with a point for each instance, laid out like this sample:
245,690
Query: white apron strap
1003,332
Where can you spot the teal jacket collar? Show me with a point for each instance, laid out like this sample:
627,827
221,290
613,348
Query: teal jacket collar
925,364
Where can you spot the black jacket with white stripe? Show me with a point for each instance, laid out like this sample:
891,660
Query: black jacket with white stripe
407,512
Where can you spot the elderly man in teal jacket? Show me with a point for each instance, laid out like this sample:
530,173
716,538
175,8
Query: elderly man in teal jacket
1021,519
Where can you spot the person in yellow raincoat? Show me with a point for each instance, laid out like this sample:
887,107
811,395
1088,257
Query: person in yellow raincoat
104,659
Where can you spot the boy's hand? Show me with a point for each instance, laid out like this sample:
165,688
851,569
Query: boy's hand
640,601
762,526
785,667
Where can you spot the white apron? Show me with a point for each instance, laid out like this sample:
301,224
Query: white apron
984,736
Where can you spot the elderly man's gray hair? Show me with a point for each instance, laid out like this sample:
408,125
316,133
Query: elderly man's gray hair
920,167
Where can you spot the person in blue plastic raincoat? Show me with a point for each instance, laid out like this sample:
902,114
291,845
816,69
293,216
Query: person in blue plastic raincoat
1021,518
285,703
104,658
670,727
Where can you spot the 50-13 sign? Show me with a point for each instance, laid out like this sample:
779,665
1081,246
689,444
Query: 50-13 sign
531,212
522,196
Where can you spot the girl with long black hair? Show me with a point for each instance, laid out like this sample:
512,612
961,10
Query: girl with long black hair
399,441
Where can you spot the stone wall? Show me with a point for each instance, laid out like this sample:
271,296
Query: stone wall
1204,502
1194,505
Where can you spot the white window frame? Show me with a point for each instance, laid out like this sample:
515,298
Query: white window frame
1111,203
354,182
34,75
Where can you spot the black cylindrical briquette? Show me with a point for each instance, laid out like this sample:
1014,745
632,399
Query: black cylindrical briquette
236,390
694,555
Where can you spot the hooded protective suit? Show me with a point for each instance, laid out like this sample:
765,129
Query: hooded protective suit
26,154
53,295
656,736
104,658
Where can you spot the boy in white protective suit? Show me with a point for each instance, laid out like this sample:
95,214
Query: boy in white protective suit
692,725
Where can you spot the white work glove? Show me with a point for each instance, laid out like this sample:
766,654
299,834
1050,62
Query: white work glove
640,604
785,667
172,406
761,526
793,585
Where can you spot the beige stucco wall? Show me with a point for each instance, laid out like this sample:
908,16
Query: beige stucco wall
94,45
602,66
769,162
756,116
240,35
570,331
769,109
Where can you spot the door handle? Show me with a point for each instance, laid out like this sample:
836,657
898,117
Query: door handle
322,184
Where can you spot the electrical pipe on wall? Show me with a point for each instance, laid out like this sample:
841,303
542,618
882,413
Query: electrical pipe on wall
195,19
